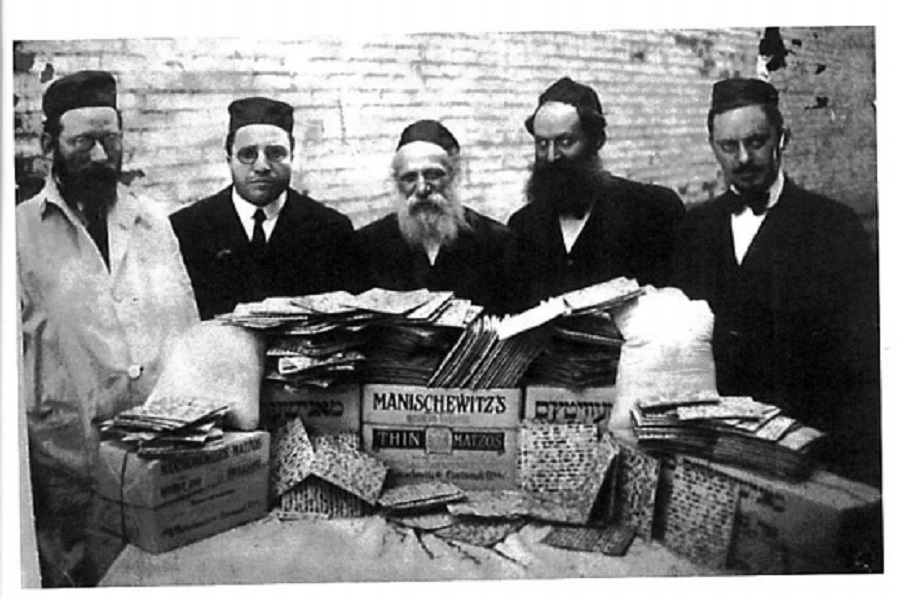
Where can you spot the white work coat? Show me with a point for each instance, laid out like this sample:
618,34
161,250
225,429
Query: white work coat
92,337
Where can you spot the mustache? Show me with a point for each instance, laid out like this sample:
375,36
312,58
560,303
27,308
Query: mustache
560,166
435,202
100,174
89,175
742,170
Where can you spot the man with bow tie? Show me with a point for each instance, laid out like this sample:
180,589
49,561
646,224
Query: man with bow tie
792,280
259,238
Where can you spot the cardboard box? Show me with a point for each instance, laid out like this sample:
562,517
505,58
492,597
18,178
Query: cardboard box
558,404
824,524
178,523
161,504
424,406
470,457
323,411
123,476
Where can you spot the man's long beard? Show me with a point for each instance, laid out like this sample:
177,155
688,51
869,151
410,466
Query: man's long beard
92,187
567,186
437,219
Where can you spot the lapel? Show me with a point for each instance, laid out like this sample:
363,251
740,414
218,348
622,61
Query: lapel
723,230
122,222
118,224
603,230
773,236
463,254
295,226
549,234
228,233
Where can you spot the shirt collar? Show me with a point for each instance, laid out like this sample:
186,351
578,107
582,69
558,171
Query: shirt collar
52,196
122,212
246,210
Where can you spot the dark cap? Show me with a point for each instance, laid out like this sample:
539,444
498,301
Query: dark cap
260,111
728,94
432,132
79,90
576,94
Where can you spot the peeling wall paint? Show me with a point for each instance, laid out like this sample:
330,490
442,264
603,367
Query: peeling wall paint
772,47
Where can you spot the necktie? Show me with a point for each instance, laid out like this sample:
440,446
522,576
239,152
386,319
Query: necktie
96,228
257,244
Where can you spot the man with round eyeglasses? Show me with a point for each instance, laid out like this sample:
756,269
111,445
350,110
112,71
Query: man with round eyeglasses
258,237
102,288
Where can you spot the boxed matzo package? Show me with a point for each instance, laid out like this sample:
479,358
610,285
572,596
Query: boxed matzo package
164,503
591,405
465,436
826,524
328,411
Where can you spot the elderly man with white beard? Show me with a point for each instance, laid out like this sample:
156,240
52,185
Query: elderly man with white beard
431,240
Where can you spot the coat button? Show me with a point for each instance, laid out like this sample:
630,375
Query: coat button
134,371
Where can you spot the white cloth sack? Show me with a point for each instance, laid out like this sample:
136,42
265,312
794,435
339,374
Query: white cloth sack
219,362
667,351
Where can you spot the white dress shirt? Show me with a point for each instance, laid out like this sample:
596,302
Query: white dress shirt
246,210
432,249
571,229
746,224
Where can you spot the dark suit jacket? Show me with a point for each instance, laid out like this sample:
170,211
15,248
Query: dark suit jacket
477,266
796,324
630,233
311,250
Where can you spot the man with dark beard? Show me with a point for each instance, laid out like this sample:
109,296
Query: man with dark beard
582,225
259,238
102,288
431,240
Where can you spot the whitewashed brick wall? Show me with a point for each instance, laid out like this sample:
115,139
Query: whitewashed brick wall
353,96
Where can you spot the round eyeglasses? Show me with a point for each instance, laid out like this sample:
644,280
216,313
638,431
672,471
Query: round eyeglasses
250,154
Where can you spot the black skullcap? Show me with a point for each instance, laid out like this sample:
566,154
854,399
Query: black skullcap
576,94
432,132
260,111
79,90
728,94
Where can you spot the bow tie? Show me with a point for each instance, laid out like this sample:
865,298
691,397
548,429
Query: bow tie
757,202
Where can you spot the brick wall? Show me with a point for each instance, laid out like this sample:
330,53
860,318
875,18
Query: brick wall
354,95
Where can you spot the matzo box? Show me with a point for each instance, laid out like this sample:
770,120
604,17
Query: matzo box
824,524
558,404
323,411
472,458
183,521
123,476
412,405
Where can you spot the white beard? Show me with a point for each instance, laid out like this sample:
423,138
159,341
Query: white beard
435,221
